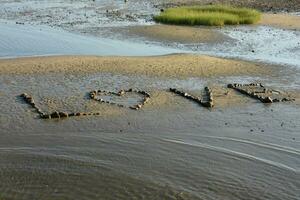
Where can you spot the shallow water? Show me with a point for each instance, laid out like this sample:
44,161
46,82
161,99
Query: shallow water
19,40
262,43
188,152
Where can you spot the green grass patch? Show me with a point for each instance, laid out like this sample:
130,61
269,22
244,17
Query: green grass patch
211,15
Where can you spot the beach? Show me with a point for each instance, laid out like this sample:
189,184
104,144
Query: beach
112,71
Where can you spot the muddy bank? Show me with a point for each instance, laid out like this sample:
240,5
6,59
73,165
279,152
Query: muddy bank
178,65
202,34
176,34
284,21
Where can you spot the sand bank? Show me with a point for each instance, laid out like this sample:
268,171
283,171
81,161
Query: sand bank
178,34
177,65
281,20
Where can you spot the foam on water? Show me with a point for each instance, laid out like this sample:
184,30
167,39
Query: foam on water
260,43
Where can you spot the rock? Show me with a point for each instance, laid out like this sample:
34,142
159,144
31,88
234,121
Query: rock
133,108
39,111
267,100
230,86
24,95
210,104
121,93
63,114
78,114
55,115
45,116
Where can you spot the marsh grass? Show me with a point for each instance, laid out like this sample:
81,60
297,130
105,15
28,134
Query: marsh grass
211,15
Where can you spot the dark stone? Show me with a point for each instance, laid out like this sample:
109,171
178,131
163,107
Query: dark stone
55,115
45,116
24,95
267,100
230,86
78,114
39,111
63,114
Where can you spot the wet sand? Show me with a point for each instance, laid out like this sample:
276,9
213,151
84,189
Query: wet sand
177,65
202,34
171,33
285,21
170,149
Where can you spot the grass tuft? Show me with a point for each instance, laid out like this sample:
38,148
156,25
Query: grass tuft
211,15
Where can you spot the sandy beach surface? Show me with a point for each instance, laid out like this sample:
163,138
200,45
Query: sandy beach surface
181,65
172,148
281,20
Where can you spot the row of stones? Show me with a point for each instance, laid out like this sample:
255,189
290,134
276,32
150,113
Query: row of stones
93,95
57,115
208,94
209,102
257,94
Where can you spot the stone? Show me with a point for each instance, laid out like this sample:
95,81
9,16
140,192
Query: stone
45,116
39,111
133,108
55,115
63,114
24,95
121,93
230,86
78,114
267,100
